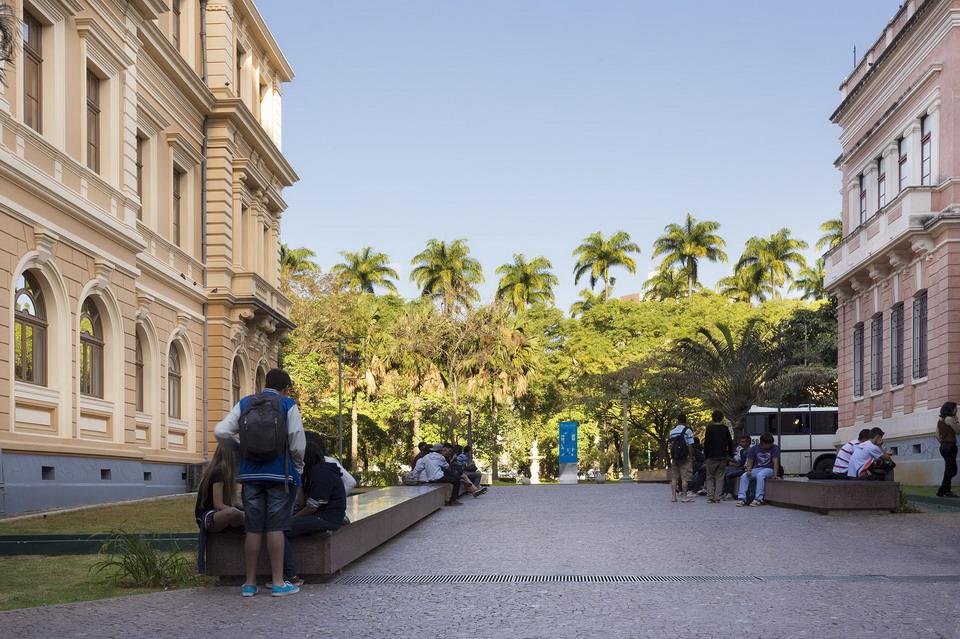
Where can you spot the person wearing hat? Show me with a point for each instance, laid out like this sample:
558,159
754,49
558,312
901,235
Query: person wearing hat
433,468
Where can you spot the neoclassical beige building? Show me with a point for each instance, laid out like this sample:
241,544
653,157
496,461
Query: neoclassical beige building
141,184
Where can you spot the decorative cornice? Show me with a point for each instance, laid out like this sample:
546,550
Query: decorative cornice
44,239
921,245
878,272
103,268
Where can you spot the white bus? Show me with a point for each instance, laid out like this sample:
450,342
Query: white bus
805,435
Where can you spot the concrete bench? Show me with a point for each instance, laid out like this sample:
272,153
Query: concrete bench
826,495
375,517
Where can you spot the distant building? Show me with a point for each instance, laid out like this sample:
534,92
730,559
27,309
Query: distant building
896,273
632,297
140,204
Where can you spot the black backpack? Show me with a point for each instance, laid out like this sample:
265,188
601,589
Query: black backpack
679,451
263,428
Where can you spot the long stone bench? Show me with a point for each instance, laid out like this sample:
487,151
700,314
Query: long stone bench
827,495
375,517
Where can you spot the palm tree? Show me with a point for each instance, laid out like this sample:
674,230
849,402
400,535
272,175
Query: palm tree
361,272
665,284
744,285
295,264
775,257
447,273
524,283
832,234
729,371
685,245
9,28
588,299
810,281
597,254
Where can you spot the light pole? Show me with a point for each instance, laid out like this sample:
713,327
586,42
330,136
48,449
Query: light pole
625,410
470,430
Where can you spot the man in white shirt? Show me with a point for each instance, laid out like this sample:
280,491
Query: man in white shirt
869,461
842,463
434,468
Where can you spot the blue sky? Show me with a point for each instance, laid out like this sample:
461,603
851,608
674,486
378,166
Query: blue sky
525,125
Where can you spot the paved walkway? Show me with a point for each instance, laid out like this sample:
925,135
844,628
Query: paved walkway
902,572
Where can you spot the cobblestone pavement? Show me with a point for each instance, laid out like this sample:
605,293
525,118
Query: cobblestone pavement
589,530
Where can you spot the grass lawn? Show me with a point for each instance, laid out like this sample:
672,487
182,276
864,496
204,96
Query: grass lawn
927,491
27,581
163,515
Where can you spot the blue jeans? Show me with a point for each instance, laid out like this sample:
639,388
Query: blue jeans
760,475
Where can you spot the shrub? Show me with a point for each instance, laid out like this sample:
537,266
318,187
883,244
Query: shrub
138,564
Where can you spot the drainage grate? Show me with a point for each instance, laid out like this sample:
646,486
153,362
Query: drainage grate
367,580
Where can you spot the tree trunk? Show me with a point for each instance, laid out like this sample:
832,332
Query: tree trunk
416,422
353,432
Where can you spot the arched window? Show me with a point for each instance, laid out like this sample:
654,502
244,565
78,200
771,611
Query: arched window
173,382
261,380
237,372
91,350
30,332
138,362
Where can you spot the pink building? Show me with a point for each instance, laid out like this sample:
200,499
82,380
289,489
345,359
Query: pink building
896,273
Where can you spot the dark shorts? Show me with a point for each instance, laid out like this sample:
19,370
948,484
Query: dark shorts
267,506
205,520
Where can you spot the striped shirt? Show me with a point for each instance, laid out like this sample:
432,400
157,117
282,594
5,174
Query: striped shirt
842,462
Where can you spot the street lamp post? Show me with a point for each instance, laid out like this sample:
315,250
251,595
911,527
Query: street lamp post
343,358
625,410
470,430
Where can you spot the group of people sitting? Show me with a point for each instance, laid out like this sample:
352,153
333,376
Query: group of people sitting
863,457
713,468
446,464
271,479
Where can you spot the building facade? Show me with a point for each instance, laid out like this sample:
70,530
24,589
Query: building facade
896,273
141,184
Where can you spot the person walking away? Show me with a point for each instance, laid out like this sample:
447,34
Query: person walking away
842,463
869,460
947,428
218,504
272,443
681,456
717,449
763,464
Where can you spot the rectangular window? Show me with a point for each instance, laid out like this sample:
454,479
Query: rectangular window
896,345
876,352
858,360
141,142
32,35
177,191
881,184
238,73
926,164
93,121
920,335
902,163
863,199
175,17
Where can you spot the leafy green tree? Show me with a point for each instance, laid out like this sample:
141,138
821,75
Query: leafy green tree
730,370
523,283
446,272
810,281
9,28
665,284
597,254
588,299
684,245
774,257
361,272
832,234
744,285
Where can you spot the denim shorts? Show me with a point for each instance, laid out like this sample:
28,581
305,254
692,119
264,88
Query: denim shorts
267,506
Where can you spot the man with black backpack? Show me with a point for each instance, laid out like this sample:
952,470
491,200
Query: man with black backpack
272,444
681,454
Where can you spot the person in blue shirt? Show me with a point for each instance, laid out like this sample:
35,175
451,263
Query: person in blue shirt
269,488
763,463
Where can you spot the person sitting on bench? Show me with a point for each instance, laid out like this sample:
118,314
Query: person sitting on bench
842,463
433,468
735,467
869,461
763,463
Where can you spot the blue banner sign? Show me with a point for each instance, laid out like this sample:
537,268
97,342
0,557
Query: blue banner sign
568,442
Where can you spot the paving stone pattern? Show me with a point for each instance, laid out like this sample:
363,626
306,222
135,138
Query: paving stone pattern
588,530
